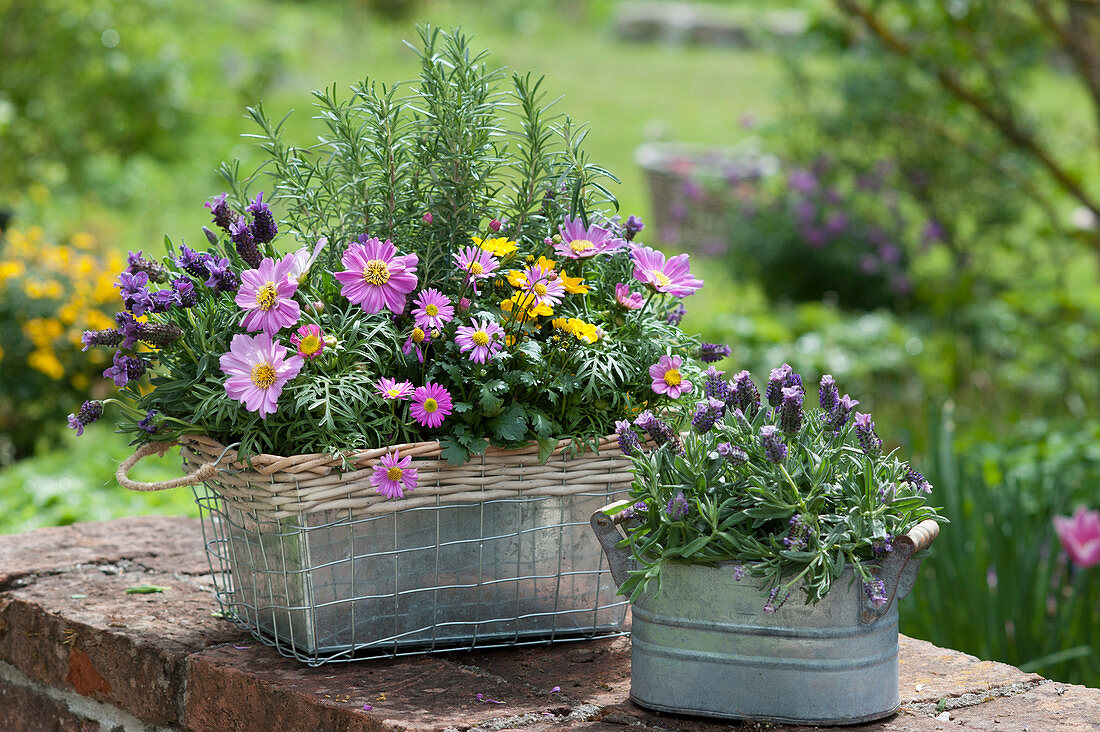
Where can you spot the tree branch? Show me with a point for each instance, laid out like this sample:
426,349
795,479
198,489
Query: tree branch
1004,123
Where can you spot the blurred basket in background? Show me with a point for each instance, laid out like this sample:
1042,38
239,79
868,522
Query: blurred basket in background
309,558
694,188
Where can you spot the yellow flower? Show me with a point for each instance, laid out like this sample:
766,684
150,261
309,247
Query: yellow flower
1,353
11,270
83,240
525,305
500,246
80,382
574,285
546,263
517,278
44,360
42,331
582,331
97,320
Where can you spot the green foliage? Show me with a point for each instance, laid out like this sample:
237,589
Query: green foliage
997,584
830,501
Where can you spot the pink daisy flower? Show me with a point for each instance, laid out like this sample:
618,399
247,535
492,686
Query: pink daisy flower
544,285
477,263
667,378
627,299
577,242
302,260
310,340
433,309
267,293
417,340
672,276
430,405
376,276
394,475
393,389
483,338
258,369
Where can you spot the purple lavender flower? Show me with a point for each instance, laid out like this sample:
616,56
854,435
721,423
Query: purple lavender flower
160,335
844,408
628,439
89,412
886,493
774,449
223,215
185,293
836,223
771,605
918,481
790,409
155,270
882,546
869,442
799,535
632,227
245,241
933,231
875,590
632,511
109,337
125,369
776,381
713,352
148,424
660,432
802,181
715,387
738,572
129,327
264,227
164,300
678,507
745,396
222,278
676,314
827,394
196,264
706,414
135,292
734,456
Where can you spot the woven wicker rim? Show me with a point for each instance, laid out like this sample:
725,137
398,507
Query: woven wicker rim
284,486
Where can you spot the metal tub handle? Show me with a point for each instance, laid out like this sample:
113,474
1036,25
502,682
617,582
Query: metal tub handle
899,570
605,523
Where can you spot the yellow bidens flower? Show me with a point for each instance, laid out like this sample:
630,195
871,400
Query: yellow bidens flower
573,285
582,331
526,307
500,246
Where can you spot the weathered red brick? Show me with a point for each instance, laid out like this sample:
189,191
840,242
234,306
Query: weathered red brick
24,710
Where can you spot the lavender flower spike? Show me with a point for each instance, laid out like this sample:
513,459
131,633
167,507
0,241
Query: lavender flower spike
745,396
843,409
223,215
628,439
713,352
869,442
777,379
715,387
734,456
827,394
678,507
707,412
241,234
790,410
774,449
264,227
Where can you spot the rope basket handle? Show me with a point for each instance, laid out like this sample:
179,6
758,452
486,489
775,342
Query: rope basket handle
203,472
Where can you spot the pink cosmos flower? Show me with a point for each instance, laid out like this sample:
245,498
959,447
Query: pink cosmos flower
477,263
667,378
417,340
394,476
267,293
577,242
303,260
483,338
627,299
1080,536
258,369
430,405
433,309
392,389
544,285
672,276
376,276
309,339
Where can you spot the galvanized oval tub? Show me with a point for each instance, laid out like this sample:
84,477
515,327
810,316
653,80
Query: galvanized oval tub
705,646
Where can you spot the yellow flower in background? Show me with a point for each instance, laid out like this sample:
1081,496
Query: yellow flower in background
1,353
573,285
500,246
80,382
582,331
44,360
97,320
83,240
11,270
42,331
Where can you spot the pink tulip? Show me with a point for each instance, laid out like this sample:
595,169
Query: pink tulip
1080,536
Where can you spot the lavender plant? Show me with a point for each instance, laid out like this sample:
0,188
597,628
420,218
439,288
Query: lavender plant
794,493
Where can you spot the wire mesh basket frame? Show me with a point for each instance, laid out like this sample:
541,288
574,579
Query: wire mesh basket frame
345,579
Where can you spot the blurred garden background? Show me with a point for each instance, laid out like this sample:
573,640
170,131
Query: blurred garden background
904,194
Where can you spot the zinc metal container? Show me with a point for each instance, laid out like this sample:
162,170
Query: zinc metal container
705,646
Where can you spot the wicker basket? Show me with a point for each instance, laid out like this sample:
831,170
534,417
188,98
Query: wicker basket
694,189
310,559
